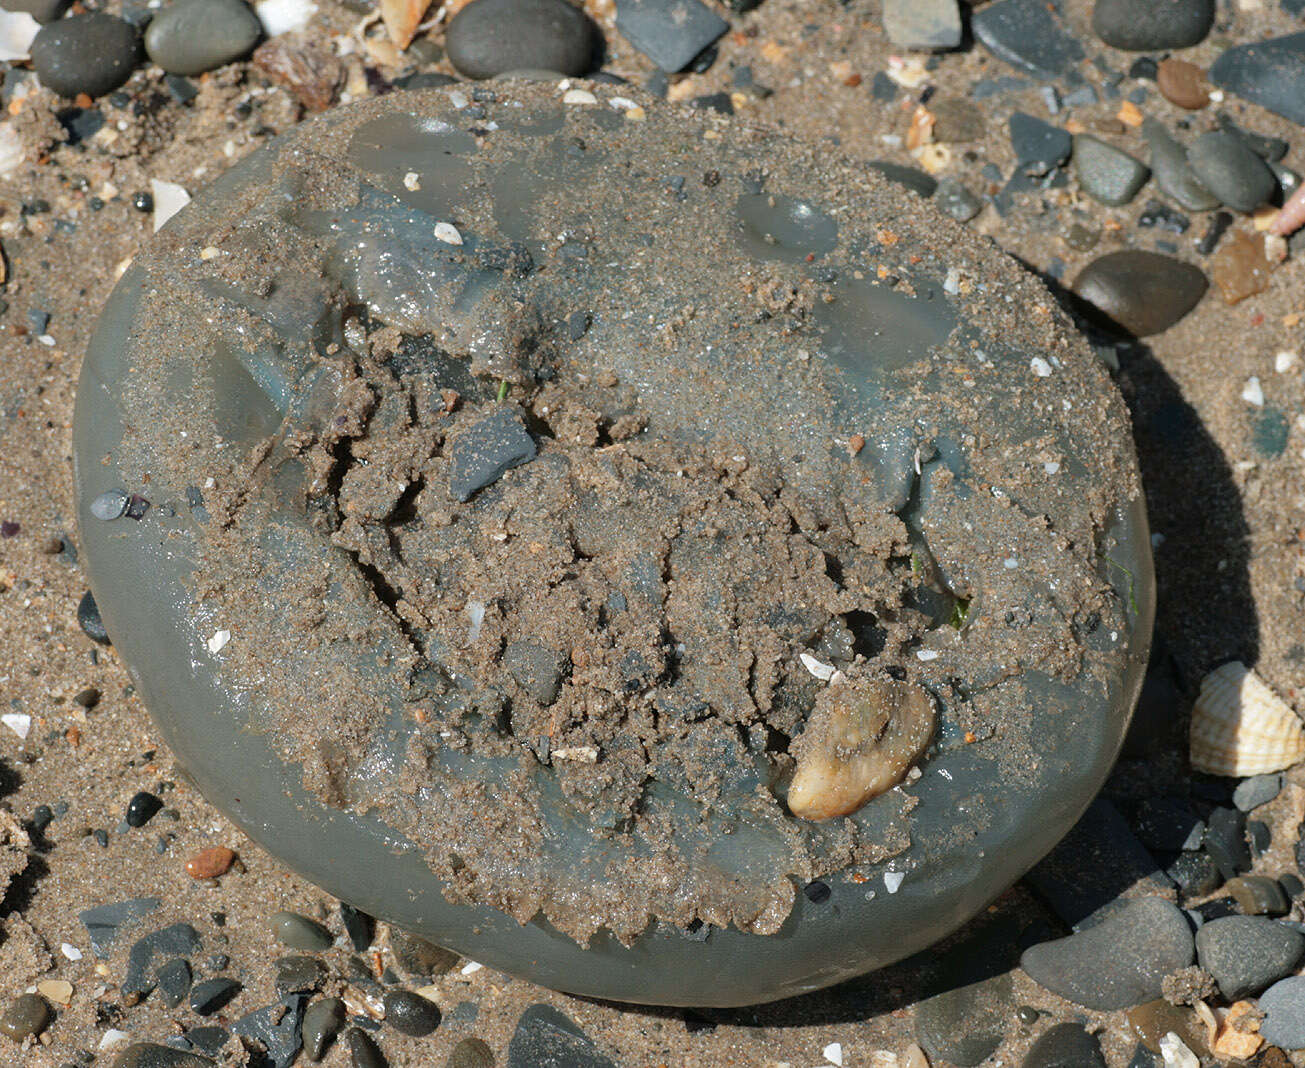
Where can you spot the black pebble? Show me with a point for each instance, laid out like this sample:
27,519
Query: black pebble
1225,841
212,994
411,1014
91,54
363,1050
359,926
817,892
174,980
142,808
88,616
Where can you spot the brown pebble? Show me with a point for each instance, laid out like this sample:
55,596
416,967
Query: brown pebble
1182,83
52,545
1240,268
210,863
312,74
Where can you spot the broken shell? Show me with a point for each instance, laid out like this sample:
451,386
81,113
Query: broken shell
401,18
861,740
1241,727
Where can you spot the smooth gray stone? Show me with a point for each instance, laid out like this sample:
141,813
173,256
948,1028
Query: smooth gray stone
299,932
1065,1045
486,450
1142,293
92,54
1173,173
410,1014
1269,73
492,37
545,1036
669,32
954,199
194,36
924,24
1039,146
1284,1007
322,1023
149,1055
1246,954
1118,963
25,1016
470,1053
1152,25
1106,173
363,1050
1227,167
41,10
1028,36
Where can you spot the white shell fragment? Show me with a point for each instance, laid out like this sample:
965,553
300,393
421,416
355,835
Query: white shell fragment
448,233
169,198
1240,727
862,738
284,16
218,641
17,30
18,722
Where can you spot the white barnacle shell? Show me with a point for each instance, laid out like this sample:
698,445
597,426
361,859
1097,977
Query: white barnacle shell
1241,727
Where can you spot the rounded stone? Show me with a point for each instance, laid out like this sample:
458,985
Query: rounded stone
470,1053
150,1055
89,619
110,505
1152,25
1245,954
194,36
1283,1005
26,1016
1139,292
299,932
1226,165
1182,83
441,233
322,1022
363,1050
411,1014
1065,1045
1106,173
491,37
92,54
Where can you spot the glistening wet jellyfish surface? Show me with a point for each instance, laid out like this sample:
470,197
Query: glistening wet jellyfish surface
575,527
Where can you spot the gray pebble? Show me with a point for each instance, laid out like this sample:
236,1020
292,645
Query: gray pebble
174,980
1118,963
211,995
410,1014
1269,73
1066,1045
1227,167
545,1036
149,1055
484,452
1195,874
1106,173
1152,25
1246,954
1027,35
27,1015
363,1050
669,32
177,940
1225,841
278,1028
1284,1007
299,932
490,37
322,1023
965,1024
41,10
1256,791
957,201
92,54
298,975
194,36
1039,147
924,24
1258,895
103,922
1141,292
471,1053
1173,173
536,668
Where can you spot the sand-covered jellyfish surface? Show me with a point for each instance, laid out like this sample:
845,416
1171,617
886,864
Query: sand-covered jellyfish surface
569,527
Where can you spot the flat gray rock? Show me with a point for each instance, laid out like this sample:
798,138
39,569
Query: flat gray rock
1065,1045
484,452
1106,173
1027,35
1120,962
1283,1005
545,1036
1152,25
963,1026
1245,954
148,1055
1039,146
491,37
924,24
669,32
1226,166
1270,73
194,36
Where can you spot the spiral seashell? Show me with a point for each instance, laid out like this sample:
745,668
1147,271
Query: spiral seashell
1241,727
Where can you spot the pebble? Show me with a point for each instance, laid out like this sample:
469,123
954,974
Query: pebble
209,996
923,24
278,1028
545,1036
1027,35
955,200
1143,292
1039,147
483,453
1225,841
103,922
1284,1007
322,1023
27,1015
1240,270
92,54
956,119
1227,167
411,1014
470,1053
88,618
194,36
210,863
363,1050
1182,83
174,980
299,932
358,925
1065,1045
1246,954
1258,895
1269,73
490,37
210,1039
110,505
1106,173
1153,1020
418,957
298,975
1118,963
178,940
669,32
142,808
536,668
965,1024
149,1055
1173,173
41,10
1152,25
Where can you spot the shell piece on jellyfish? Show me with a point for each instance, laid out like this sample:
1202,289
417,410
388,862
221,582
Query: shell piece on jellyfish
861,739
1241,727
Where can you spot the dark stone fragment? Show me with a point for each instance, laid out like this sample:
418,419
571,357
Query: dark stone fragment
88,618
883,88
25,1017
1144,68
1158,215
142,808
817,892
491,37
1168,823
484,452
577,325
1258,895
914,179
425,80
1258,833
149,1055
322,1023
81,123
363,1050
179,940
182,90
360,927
544,1036
1269,73
92,54
102,922
1066,1045
210,1039
1246,954
299,932
1216,909
1118,963
720,102
1291,885
1225,841
1028,35
299,975
1214,231
1195,874
1152,25
174,980
669,32
209,996
1141,293
411,1014
418,957
277,1027
41,10
536,668
1039,147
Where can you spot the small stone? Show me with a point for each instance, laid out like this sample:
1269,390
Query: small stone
210,863
41,10
1152,25
1240,269
1227,167
363,1050
60,991
546,1036
26,1016
669,32
1246,954
278,1028
1173,173
174,980
142,808
178,940
1225,841
209,996
1182,83
411,1014
322,1023
956,119
210,1039
311,72
1153,1020
964,1025
88,618
1143,293
1256,791
484,451
536,668
110,505
1168,824
1027,35
359,926
1120,962
103,922
955,200
194,36
470,1053
1106,173
1269,73
923,24
149,1055
1284,1007
418,957
1039,147
1065,1045
491,37
299,932
298,975
1258,895
92,54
